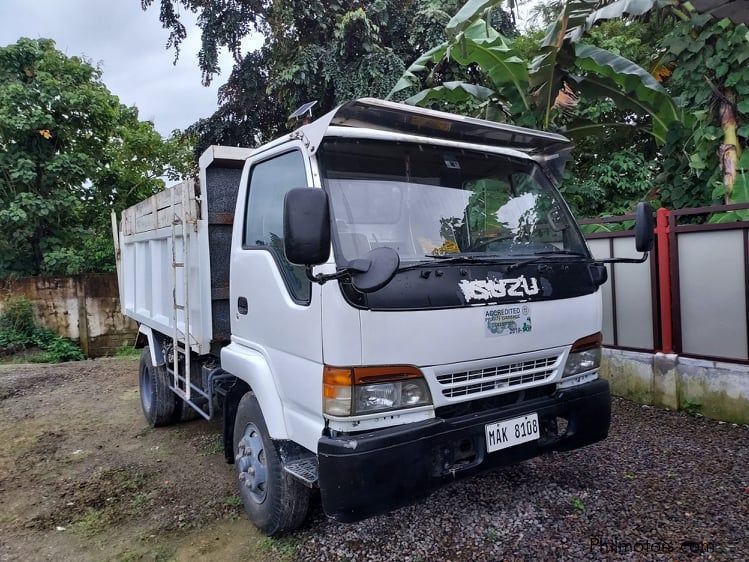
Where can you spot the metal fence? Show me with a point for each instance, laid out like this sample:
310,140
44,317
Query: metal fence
690,297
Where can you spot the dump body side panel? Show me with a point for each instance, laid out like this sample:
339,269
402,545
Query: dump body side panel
150,244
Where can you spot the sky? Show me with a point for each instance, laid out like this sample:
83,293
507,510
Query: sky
129,45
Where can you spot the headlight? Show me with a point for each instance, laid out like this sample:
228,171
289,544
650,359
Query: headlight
366,390
584,356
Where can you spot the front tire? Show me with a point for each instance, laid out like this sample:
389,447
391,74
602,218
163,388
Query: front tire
159,403
274,500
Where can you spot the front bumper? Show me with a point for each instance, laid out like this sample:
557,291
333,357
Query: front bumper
366,474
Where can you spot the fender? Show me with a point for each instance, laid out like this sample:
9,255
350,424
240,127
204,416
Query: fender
252,367
157,354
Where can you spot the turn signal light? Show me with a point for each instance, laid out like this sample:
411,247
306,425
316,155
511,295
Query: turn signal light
351,391
584,356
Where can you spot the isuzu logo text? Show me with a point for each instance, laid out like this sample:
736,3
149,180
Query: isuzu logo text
486,289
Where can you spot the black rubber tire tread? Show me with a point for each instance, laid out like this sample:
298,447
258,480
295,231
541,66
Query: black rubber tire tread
188,414
164,403
287,500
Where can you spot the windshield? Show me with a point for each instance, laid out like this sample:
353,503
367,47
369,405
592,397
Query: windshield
423,200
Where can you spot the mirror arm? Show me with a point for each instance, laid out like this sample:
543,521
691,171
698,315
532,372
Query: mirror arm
625,260
323,278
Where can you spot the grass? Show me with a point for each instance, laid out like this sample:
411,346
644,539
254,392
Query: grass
577,504
127,351
233,501
122,493
285,547
213,447
91,523
692,408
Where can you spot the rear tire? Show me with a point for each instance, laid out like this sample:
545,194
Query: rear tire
159,403
275,501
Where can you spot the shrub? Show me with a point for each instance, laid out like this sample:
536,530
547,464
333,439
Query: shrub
18,331
17,318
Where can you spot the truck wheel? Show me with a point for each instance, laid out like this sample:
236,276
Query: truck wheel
158,401
274,500
187,414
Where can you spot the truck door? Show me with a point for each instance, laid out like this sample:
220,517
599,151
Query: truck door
275,310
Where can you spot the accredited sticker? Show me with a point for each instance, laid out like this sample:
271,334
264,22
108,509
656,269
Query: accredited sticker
506,320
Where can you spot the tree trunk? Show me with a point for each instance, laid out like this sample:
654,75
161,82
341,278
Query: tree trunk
730,150
41,227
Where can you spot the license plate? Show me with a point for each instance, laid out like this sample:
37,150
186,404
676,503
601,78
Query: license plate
508,433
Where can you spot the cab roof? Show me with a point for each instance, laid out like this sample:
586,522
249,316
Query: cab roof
383,115
369,113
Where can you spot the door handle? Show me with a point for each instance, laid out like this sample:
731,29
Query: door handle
242,306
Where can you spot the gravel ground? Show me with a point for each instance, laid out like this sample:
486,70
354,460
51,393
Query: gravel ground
663,486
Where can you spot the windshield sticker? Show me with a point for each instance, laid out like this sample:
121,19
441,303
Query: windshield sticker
486,289
507,320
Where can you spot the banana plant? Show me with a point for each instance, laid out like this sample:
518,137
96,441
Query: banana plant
530,92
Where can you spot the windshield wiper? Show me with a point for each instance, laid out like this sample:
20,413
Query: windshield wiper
495,259
447,258
456,257
539,257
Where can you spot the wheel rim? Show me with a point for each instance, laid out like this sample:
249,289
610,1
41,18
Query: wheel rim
146,387
251,466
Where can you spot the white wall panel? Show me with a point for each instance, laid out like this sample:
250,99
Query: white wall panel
713,293
600,250
634,297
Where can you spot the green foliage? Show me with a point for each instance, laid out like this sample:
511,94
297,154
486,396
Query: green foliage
330,52
69,154
18,331
610,183
17,318
708,57
127,351
628,85
55,349
642,82
577,504
671,76
527,92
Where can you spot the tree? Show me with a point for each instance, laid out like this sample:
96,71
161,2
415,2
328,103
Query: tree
69,153
706,60
318,50
690,98
504,86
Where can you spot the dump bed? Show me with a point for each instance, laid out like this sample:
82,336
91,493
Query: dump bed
173,254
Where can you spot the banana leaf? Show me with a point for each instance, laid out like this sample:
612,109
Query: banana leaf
483,46
470,12
628,85
453,92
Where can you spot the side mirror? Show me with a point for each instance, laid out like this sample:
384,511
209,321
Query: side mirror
375,270
306,226
644,225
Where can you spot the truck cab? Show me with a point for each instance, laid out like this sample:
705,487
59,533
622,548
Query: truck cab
410,301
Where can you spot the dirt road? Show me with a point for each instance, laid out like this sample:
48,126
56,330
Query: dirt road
83,478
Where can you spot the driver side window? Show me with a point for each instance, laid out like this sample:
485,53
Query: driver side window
270,180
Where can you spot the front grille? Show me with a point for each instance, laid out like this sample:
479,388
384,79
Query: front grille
496,401
464,383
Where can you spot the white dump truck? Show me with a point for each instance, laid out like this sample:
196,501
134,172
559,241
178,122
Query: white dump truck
382,301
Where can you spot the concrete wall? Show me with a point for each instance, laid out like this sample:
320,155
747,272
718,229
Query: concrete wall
714,389
83,308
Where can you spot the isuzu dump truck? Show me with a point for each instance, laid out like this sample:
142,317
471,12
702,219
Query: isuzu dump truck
382,301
